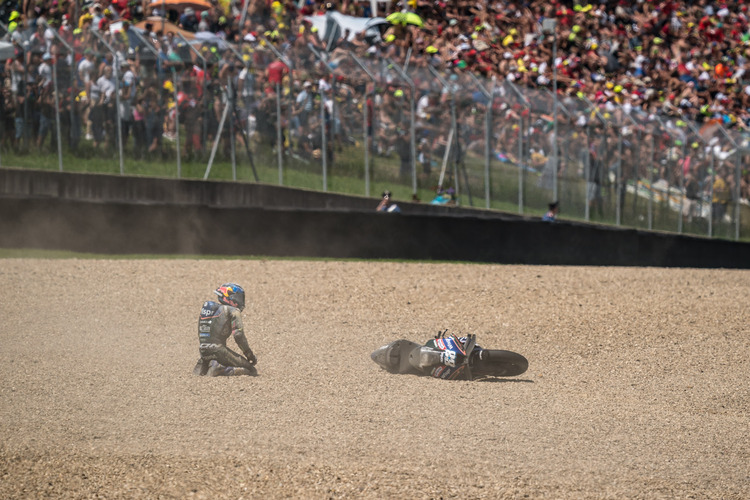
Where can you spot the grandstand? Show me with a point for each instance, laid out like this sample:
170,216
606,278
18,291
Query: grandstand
631,115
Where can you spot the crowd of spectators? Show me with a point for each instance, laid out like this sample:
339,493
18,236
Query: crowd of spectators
685,60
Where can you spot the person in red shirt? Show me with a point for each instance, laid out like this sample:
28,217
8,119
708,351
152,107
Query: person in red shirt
275,72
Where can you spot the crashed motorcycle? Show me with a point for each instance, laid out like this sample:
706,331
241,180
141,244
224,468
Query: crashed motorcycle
449,357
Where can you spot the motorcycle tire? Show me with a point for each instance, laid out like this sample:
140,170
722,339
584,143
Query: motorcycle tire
497,363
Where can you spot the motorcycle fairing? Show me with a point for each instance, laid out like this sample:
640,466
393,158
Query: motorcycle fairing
450,372
451,343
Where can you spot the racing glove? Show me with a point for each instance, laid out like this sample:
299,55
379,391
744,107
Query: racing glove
251,357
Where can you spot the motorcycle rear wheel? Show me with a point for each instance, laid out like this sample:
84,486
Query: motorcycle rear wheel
497,363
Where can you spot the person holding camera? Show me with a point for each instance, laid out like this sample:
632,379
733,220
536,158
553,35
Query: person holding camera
385,204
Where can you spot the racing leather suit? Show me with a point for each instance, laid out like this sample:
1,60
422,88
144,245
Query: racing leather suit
215,324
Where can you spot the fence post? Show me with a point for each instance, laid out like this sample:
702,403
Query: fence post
412,111
177,124
116,74
682,184
595,110
618,182
279,139
232,102
323,138
636,130
177,112
564,147
521,131
738,195
711,196
737,183
57,115
651,183
232,94
671,134
25,131
587,174
453,142
217,139
707,149
204,132
72,88
683,140
365,112
487,136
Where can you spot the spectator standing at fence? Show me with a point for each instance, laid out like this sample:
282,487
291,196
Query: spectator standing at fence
692,195
85,73
45,70
594,182
190,116
246,93
424,153
139,127
325,91
7,110
155,111
106,59
163,60
721,195
127,98
106,86
226,64
403,150
220,103
46,104
170,111
18,91
31,104
71,107
266,119
303,107
424,107
96,112
745,186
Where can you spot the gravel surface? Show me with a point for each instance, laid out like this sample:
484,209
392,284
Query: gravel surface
637,384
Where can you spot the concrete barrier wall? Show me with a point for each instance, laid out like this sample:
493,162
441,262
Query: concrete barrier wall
138,228
98,187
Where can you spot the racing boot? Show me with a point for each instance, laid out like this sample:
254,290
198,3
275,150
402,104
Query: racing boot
201,367
245,371
215,369
218,370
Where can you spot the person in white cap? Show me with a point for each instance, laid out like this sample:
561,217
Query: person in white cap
303,106
188,21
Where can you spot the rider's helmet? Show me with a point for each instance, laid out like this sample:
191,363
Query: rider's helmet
231,295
